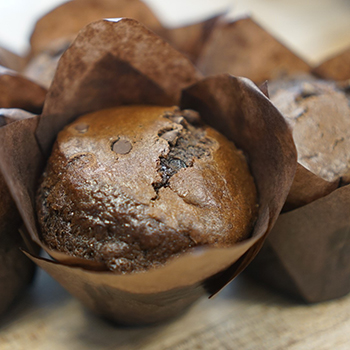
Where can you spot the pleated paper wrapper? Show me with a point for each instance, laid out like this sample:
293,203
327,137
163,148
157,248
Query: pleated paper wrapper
18,98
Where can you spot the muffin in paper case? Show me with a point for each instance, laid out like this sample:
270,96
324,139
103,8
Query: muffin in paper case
120,62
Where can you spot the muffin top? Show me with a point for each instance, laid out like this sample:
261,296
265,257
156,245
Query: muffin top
319,112
133,186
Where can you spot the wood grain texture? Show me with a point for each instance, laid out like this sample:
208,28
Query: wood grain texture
244,316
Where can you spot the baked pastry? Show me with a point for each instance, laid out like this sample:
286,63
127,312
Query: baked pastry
306,253
133,186
319,112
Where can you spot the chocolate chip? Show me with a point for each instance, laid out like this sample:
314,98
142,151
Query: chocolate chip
191,116
179,119
82,127
177,164
170,136
308,90
122,146
298,112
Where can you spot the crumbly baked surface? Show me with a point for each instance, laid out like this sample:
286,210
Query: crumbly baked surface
319,112
133,186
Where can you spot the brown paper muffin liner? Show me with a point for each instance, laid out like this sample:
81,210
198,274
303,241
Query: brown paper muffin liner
336,67
307,253
16,270
10,60
18,92
120,62
78,13
315,216
50,38
242,47
191,39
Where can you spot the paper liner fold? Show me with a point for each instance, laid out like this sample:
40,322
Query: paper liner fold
311,246
50,38
21,165
49,34
336,67
306,188
10,115
233,105
191,39
120,306
16,270
244,48
85,79
18,92
65,21
10,60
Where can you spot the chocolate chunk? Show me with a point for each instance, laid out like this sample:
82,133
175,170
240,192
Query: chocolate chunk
122,146
179,119
191,116
170,136
308,90
82,127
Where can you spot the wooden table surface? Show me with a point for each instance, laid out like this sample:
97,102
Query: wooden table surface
243,316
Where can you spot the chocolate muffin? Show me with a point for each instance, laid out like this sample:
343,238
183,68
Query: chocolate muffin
307,252
319,112
131,187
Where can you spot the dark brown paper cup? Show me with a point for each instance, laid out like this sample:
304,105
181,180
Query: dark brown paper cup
16,270
244,48
113,63
18,92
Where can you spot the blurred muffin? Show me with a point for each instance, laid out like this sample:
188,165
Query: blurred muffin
307,253
319,112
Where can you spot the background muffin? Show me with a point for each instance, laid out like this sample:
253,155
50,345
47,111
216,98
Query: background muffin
319,112
307,253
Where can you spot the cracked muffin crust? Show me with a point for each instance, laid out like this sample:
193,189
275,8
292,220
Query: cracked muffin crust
319,112
134,186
